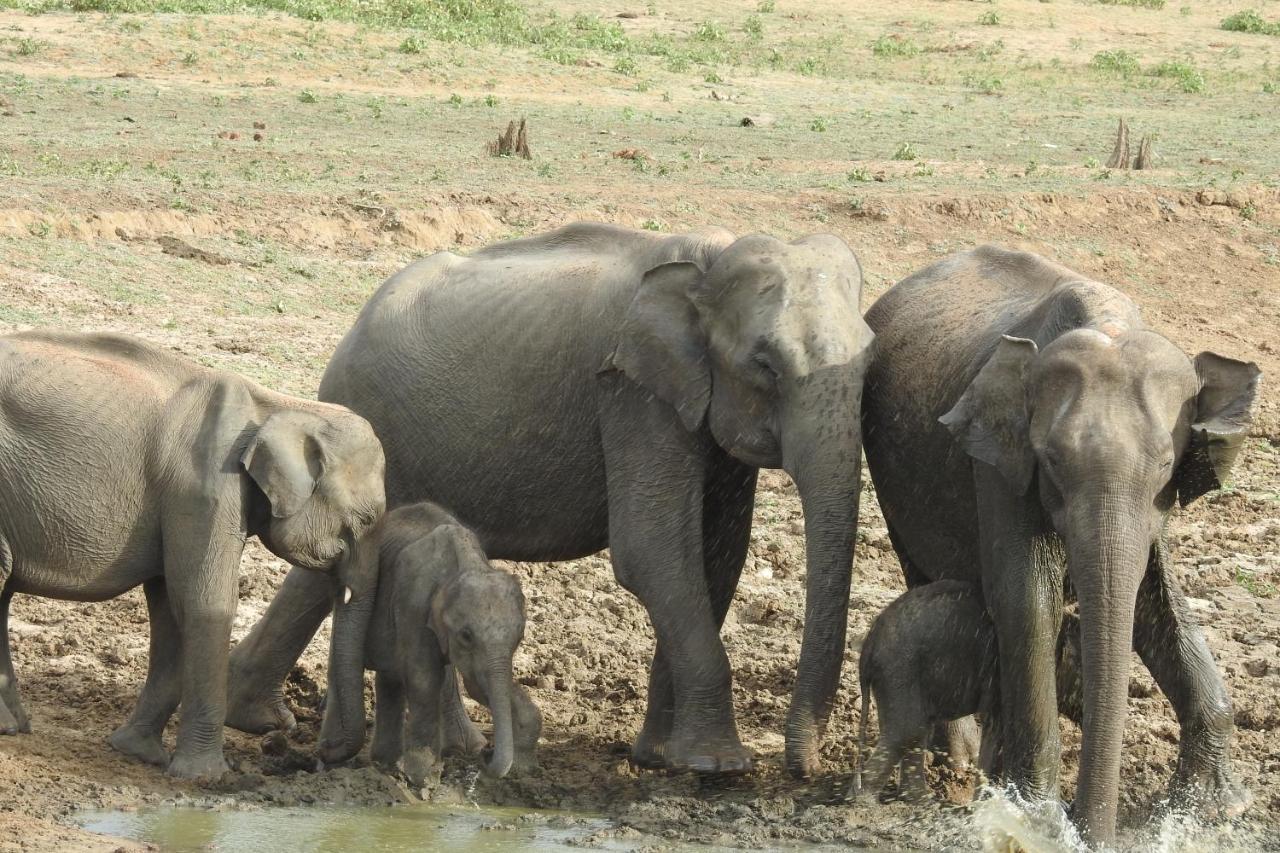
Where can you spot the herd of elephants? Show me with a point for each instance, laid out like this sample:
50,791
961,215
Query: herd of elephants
542,399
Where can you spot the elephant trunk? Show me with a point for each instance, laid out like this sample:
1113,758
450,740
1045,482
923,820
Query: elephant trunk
1106,561
822,451
500,696
355,596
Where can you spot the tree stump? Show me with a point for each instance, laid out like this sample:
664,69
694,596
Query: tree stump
1145,158
512,143
1120,154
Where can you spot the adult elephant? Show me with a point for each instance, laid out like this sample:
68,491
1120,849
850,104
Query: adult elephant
122,464
1022,422
598,386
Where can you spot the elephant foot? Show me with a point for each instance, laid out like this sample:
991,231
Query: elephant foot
420,766
142,745
13,725
718,755
1211,795
650,751
202,765
256,714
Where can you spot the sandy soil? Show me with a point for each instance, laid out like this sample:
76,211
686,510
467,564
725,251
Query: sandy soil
588,644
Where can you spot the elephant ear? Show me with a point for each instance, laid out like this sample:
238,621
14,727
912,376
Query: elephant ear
660,344
1224,410
990,420
286,459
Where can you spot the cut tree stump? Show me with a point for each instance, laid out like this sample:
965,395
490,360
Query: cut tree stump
1120,154
513,143
1145,158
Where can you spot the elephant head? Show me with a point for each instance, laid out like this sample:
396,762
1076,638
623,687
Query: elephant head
318,480
1109,425
765,345
478,619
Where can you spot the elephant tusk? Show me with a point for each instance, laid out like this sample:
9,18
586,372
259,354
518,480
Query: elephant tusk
346,595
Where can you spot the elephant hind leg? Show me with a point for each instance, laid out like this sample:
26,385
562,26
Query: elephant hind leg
13,719
141,735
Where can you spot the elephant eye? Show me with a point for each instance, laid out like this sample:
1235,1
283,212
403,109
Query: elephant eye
466,636
761,361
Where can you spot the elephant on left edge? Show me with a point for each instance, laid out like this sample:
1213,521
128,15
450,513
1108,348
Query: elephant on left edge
122,464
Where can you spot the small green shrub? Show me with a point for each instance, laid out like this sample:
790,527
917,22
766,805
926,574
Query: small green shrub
307,96
894,46
1118,61
709,31
990,19
905,152
1186,76
753,27
413,44
1249,21
859,175
818,125
765,6
626,66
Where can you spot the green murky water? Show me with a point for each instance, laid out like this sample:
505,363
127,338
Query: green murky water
321,830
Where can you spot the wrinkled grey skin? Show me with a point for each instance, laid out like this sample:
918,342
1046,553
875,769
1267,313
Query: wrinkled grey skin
930,657
442,607
597,386
1023,426
122,464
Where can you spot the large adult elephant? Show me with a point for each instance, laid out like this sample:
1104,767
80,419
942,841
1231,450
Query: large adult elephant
1022,423
598,386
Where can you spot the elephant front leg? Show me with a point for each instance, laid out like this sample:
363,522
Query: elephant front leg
458,735
1173,648
655,473
141,735
728,499
13,718
202,589
1022,581
388,724
423,685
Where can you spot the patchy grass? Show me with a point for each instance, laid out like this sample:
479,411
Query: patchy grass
1137,4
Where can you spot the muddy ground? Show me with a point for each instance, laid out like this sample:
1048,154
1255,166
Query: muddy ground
105,169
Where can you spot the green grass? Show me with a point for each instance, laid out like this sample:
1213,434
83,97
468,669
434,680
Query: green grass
1250,21
1118,61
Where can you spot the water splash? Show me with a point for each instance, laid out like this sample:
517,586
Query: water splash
1006,823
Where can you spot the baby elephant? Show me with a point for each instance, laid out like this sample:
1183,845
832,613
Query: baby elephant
929,657
441,606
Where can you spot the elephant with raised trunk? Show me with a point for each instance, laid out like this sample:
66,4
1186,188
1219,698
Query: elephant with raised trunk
122,464
598,386
1024,427
442,606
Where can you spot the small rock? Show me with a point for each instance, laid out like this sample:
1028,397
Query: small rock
761,120
1258,667
259,125
257,137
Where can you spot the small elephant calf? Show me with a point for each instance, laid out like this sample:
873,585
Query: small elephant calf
930,657
441,607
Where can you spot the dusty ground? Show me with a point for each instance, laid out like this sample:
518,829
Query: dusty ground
367,160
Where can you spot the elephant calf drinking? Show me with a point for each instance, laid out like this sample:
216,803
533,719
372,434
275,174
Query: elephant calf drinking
122,464
441,606
929,657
